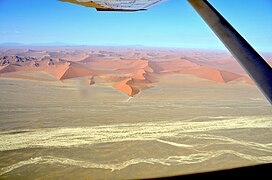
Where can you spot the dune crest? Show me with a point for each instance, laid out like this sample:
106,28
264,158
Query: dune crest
127,87
70,70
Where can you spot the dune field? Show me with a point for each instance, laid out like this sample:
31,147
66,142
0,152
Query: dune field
119,112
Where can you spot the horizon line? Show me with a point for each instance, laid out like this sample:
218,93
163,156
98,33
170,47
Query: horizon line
65,44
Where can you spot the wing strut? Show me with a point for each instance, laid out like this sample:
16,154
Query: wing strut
257,68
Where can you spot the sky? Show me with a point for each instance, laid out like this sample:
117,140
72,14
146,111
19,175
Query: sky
172,24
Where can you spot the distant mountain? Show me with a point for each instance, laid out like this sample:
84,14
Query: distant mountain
10,44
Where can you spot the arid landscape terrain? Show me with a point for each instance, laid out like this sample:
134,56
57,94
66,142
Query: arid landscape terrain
119,112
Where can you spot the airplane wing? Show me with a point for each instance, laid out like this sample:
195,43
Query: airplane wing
117,5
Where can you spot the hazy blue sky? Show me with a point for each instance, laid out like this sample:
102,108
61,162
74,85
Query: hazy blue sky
172,24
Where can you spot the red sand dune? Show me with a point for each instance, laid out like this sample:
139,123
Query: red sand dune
127,87
57,70
187,67
212,74
7,68
139,74
115,78
228,76
206,73
132,75
76,57
69,70
175,65
119,64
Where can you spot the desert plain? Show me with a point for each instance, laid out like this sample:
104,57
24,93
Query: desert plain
128,112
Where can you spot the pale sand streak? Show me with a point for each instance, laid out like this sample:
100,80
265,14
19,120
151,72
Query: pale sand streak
225,140
171,160
66,137
174,144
